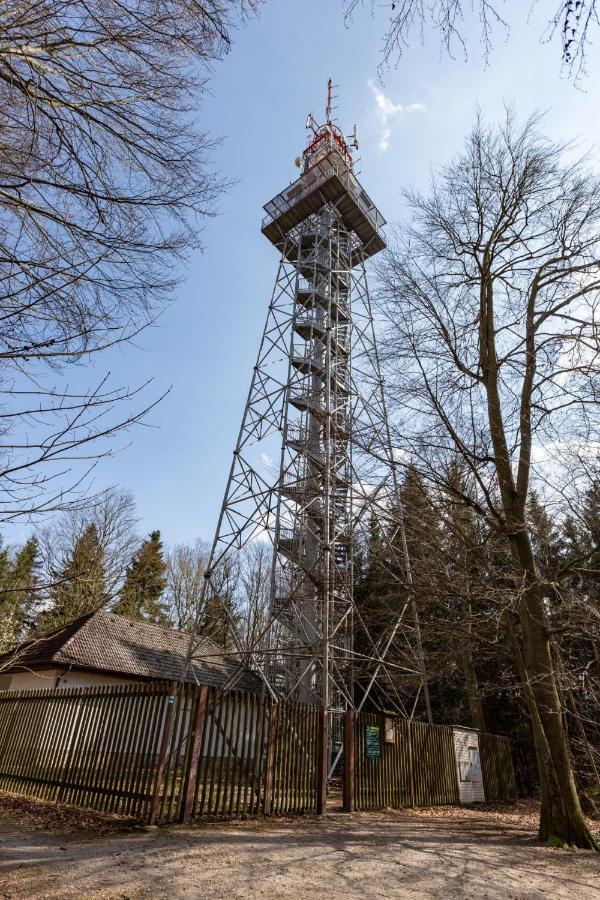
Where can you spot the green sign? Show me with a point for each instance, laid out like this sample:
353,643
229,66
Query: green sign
373,741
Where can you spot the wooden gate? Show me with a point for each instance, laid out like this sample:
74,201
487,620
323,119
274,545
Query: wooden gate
399,762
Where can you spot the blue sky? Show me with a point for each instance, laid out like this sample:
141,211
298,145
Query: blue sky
205,344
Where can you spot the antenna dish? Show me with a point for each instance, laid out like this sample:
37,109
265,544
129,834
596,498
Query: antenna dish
298,162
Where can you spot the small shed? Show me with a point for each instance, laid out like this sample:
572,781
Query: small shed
104,648
468,765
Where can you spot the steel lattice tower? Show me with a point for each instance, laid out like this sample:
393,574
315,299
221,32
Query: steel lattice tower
313,467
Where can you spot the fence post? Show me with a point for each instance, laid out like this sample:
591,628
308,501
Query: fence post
162,753
411,767
270,758
349,803
322,761
195,736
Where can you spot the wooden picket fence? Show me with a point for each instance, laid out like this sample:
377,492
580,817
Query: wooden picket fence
160,752
414,764
89,747
168,753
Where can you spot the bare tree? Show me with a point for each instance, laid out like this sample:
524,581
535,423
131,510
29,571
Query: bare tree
114,516
105,181
570,21
186,564
255,591
492,299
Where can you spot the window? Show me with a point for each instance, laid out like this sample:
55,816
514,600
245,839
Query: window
470,769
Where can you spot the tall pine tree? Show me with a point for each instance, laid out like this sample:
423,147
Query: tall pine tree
18,595
145,583
7,630
79,586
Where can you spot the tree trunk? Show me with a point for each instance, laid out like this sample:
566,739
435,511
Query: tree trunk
561,820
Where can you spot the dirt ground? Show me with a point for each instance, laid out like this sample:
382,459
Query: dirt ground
439,853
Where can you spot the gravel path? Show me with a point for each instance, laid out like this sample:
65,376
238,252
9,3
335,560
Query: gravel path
441,855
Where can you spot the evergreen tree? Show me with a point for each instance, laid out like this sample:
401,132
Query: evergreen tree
591,513
145,583
573,614
461,600
377,595
19,598
79,585
423,538
374,585
381,589
7,630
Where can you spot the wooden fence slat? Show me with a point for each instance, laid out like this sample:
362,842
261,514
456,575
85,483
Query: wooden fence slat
286,737
170,789
132,726
81,797
496,767
152,751
21,733
219,718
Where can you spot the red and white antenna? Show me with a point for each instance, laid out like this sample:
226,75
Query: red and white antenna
322,139
329,107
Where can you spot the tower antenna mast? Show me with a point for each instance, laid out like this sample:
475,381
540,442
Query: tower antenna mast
329,107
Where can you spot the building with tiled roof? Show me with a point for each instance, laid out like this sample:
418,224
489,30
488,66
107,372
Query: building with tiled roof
104,648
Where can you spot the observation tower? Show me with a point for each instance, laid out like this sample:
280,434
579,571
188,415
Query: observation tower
313,471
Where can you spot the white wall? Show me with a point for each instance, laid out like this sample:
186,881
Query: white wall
46,678
468,766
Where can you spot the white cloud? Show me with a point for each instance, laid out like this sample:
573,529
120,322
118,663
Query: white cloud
266,460
387,111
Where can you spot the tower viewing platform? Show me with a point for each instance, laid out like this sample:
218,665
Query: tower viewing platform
326,177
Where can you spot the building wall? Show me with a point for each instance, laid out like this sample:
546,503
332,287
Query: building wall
468,766
47,678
